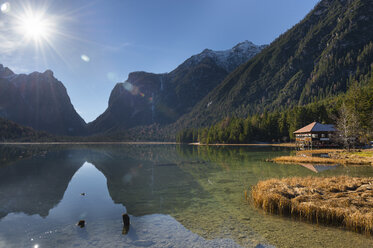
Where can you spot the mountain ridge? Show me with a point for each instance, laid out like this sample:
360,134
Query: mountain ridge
147,98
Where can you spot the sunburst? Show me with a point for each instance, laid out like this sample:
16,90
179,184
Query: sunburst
35,25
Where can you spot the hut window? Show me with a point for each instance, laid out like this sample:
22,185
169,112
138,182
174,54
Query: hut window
314,135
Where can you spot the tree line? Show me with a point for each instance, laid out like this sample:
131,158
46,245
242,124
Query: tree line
355,106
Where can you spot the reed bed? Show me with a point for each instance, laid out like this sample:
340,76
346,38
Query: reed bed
335,156
340,201
318,151
306,159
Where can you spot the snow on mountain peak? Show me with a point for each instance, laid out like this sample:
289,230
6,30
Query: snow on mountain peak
231,58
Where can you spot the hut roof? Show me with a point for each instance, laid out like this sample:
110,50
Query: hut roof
316,127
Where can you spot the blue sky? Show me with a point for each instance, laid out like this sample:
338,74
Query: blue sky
118,37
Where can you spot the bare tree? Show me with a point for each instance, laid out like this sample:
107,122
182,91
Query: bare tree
348,127
370,131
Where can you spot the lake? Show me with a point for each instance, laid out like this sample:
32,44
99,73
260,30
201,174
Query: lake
176,196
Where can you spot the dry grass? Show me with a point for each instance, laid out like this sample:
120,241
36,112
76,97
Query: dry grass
357,157
317,151
253,144
342,201
297,160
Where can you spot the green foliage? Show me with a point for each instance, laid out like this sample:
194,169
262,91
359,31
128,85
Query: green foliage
278,126
359,101
268,127
187,136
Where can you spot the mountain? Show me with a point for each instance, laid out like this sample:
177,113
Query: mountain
147,98
317,58
40,101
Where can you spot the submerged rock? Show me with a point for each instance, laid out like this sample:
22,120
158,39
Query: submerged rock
81,223
126,224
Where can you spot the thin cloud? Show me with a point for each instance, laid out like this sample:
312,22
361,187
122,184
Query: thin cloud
116,48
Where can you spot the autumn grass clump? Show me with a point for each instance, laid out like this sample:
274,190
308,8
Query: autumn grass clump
307,159
340,201
335,156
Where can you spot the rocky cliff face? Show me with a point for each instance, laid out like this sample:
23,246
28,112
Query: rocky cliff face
40,101
147,98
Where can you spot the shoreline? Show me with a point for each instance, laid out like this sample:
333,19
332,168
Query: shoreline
291,145
89,143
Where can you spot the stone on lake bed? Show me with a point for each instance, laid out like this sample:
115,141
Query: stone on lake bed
81,223
126,224
126,219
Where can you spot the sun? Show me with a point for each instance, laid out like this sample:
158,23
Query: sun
35,26
33,23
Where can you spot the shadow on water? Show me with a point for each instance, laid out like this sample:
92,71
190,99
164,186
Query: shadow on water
175,195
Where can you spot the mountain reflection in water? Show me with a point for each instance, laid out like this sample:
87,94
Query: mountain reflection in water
176,196
34,215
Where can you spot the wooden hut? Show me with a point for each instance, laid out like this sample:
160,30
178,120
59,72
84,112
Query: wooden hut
315,135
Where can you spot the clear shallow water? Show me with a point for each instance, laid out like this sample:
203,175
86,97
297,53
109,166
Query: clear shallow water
176,196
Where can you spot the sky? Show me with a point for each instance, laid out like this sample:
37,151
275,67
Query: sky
90,45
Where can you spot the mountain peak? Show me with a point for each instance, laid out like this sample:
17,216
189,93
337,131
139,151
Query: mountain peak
206,50
5,72
48,73
244,44
231,58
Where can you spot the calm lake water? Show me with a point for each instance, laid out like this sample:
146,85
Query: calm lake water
176,196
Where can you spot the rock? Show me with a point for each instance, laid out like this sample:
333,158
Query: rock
125,230
126,224
81,223
126,220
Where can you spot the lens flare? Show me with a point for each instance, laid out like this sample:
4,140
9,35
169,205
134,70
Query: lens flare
128,86
85,58
5,7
